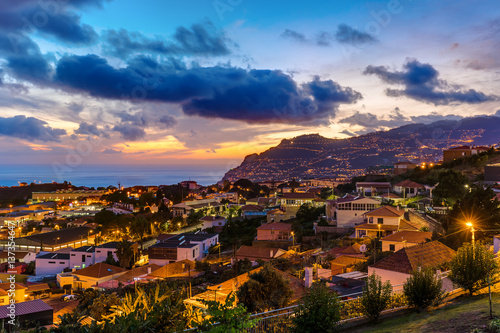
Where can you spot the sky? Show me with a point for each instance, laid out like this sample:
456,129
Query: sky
207,82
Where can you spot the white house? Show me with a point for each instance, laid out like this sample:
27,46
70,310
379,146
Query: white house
380,222
348,211
82,257
213,221
104,250
91,276
408,188
188,246
402,239
51,263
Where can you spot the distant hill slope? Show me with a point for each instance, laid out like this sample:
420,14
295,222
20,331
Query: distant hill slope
315,156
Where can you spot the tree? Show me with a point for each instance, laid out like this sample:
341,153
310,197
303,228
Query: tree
423,289
225,317
376,297
318,311
101,306
140,228
451,186
478,206
265,290
125,254
471,265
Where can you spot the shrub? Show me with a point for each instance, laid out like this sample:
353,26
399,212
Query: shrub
318,311
423,289
376,297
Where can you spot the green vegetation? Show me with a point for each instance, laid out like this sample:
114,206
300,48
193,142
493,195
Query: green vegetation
472,266
376,297
265,290
318,311
125,254
423,290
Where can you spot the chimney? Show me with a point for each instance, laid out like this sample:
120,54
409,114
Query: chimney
149,270
271,253
308,277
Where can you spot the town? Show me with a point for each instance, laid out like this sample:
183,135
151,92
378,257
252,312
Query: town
183,257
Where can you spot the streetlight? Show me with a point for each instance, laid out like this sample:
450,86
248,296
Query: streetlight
471,226
293,238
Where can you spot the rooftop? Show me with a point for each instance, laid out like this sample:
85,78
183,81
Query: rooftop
276,226
409,183
406,260
258,252
299,196
99,270
25,308
409,236
55,256
387,211
87,249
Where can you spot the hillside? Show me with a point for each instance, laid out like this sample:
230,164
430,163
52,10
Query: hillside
310,156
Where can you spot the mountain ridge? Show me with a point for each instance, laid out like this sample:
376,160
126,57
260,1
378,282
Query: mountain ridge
312,155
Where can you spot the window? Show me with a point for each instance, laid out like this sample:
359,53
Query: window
62,262
52,262
110,253
83,257
380,220
392,247
193,254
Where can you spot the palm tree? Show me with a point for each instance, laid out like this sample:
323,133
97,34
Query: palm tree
125,253
140,228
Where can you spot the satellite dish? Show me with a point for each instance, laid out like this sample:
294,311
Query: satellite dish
362,248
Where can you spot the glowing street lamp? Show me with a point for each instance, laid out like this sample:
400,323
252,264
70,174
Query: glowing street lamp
293,238
471,226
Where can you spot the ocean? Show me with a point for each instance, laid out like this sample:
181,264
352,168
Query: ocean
105,175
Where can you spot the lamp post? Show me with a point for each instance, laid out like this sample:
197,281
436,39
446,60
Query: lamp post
293,238
469,224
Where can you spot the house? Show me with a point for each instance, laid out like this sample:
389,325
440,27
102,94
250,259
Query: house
251,211
91,276
401,239
297,199
20,256
408,188
109,249
398,267
403,167
353,250
36,311
19,291
184,208
348,211
380,222
254,253
176,269
279,215
190,246
267,202
372,188
51,263
462,151
274,231
133,276
52,241
213,221
82,257
345,264
388,197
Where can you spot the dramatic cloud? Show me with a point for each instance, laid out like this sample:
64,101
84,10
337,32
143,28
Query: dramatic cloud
421,82
29,128
147,119
200,39
259,96
348,35
90,129
130,132
294,35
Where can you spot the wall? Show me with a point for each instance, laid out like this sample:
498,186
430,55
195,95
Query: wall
43,267
395,278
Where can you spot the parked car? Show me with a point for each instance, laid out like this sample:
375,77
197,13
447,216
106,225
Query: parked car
67,298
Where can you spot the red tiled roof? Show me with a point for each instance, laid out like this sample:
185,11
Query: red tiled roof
25,308
373,184
99,270
390,196
174,268
409,236
409,183
136,272
246,251
275,226
387,211
406,260
374,226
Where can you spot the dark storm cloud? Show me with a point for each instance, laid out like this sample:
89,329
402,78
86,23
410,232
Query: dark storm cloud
294,35
147,119
348,35
29,128
130,132
421,82
259,96
200,39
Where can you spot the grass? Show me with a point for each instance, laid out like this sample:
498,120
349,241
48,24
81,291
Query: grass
461,315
